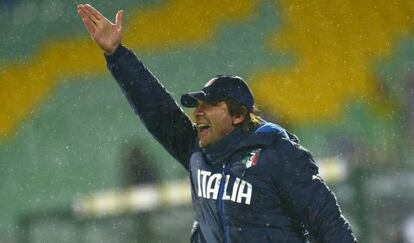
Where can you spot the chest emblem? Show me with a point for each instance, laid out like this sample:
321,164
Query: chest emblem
252,158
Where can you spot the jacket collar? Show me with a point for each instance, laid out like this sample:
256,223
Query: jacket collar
216,153
238,140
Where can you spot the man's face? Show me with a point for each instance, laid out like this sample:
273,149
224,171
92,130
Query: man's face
213,122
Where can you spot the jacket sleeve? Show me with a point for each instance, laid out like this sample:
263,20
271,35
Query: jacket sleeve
161,115
307,197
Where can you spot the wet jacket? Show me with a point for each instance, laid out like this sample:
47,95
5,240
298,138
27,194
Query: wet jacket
255,186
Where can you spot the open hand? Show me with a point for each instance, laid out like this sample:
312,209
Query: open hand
105,33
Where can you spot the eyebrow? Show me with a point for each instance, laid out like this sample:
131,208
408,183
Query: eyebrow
213,103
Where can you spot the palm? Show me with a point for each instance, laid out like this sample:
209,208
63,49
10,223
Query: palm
105,33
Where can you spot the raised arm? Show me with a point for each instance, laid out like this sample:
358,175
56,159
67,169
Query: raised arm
106,34
162,117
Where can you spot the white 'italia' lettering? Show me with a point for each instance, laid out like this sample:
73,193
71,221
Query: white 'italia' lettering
204,174
234,192
199,184
213,185
208,186
242,194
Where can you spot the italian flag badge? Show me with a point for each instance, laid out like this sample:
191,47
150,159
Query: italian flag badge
252,158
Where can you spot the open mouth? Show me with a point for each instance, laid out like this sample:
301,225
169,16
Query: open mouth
202,127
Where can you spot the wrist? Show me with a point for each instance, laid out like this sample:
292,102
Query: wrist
111,51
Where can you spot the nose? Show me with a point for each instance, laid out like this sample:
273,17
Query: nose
199,110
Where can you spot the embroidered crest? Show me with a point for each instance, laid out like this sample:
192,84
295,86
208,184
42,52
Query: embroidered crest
252,158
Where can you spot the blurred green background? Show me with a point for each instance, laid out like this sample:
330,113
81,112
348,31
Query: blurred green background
338,74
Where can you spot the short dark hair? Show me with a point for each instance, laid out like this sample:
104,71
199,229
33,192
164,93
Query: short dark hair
251,121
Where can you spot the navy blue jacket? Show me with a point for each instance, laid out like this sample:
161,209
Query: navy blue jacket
256,186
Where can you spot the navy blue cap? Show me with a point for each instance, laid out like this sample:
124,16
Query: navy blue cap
220,88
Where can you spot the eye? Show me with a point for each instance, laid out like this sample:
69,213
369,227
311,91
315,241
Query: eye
206,105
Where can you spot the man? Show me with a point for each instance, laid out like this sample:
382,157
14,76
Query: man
251,181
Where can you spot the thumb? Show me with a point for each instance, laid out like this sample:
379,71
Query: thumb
119,18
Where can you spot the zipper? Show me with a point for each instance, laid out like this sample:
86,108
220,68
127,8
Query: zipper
220,202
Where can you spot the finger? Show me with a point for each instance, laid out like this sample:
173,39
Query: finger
119,19
95,12
79,6
90,26
91,15
86,15
82,14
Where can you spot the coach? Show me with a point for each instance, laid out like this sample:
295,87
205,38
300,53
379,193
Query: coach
251,181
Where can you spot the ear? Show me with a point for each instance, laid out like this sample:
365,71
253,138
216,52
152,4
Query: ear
238,119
